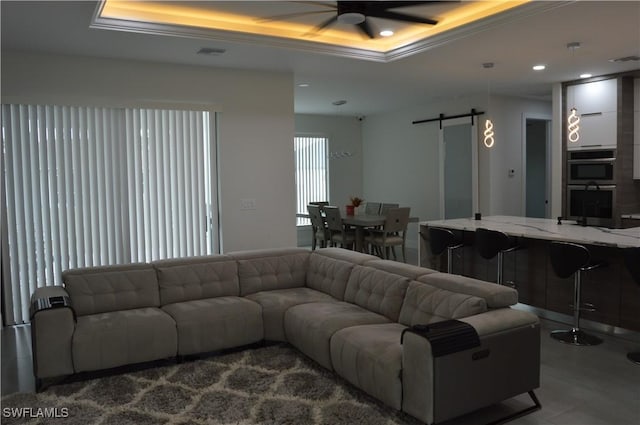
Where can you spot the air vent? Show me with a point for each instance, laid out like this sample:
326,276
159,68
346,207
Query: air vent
211,51
626,59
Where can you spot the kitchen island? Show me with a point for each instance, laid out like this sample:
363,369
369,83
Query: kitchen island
611,289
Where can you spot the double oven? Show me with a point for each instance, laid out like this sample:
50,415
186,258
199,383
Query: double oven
591,186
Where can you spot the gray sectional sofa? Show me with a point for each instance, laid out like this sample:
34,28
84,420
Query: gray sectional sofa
347,311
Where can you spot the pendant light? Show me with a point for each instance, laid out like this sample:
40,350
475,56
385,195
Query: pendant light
573,120
488,134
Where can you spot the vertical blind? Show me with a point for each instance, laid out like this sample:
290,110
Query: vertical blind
87,186
312,173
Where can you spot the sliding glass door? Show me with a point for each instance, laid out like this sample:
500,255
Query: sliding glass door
86,186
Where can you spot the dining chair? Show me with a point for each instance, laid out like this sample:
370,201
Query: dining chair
393,233
386,207
338,232
372,208
318,226
320,204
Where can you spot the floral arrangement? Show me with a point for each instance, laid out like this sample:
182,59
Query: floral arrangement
355,201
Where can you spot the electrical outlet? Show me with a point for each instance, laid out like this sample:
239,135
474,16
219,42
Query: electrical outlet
248,204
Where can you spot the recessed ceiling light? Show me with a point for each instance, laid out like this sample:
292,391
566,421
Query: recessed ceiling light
386,33
585,75
539,67
303,85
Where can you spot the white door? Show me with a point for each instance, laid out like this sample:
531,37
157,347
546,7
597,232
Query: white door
459,169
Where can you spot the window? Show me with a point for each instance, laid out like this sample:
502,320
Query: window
88,186
312,173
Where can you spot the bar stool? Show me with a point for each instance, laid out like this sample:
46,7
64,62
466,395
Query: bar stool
632,260
572,259
439,240
490,243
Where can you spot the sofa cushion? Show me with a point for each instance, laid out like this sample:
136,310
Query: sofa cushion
329,275
309,327
426,304
216,323
370,357
267,269
118,338
194,278
111,288
496,296
403,269
348,255
276,302
377,291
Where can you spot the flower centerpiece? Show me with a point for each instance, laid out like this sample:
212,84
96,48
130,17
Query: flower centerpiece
355,203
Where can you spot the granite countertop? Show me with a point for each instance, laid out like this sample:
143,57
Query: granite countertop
546,229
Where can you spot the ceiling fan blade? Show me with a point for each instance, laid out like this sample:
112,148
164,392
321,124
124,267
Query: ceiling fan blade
326,23
291,15
396,4
387,14
366,28
318,3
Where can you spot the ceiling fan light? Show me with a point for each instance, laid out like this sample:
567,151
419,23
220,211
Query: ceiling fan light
351,18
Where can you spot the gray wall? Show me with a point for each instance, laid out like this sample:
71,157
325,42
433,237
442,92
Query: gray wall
401,160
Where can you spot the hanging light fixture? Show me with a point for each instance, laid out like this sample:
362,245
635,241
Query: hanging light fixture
573,120
488,139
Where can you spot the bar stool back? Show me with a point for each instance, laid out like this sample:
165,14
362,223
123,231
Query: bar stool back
632,260
439,240
490,243
569,259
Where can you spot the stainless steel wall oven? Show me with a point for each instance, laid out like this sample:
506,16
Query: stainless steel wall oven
591,166
591,204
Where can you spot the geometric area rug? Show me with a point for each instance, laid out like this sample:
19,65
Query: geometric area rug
272,384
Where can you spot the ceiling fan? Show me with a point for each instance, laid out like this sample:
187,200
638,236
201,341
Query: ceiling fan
357,12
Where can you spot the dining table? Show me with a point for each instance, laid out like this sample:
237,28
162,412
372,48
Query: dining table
361,222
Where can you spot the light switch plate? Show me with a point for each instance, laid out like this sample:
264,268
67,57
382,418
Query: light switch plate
248,204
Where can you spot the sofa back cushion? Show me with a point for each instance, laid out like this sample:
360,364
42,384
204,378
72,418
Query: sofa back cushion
424,304
377,291
194,278
403,269
269,269
111,288
328,275
496,296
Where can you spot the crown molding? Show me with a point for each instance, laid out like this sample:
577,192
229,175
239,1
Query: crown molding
520,12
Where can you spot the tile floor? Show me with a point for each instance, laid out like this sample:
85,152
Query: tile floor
579,385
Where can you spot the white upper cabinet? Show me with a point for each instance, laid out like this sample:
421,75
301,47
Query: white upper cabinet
597,105
591,98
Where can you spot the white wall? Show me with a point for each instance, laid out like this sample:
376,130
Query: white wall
506,191
256,126
401,160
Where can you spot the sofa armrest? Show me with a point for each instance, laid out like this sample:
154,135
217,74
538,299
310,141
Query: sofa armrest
52,327
506,364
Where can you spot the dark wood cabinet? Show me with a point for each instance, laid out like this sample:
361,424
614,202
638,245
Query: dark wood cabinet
610,289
